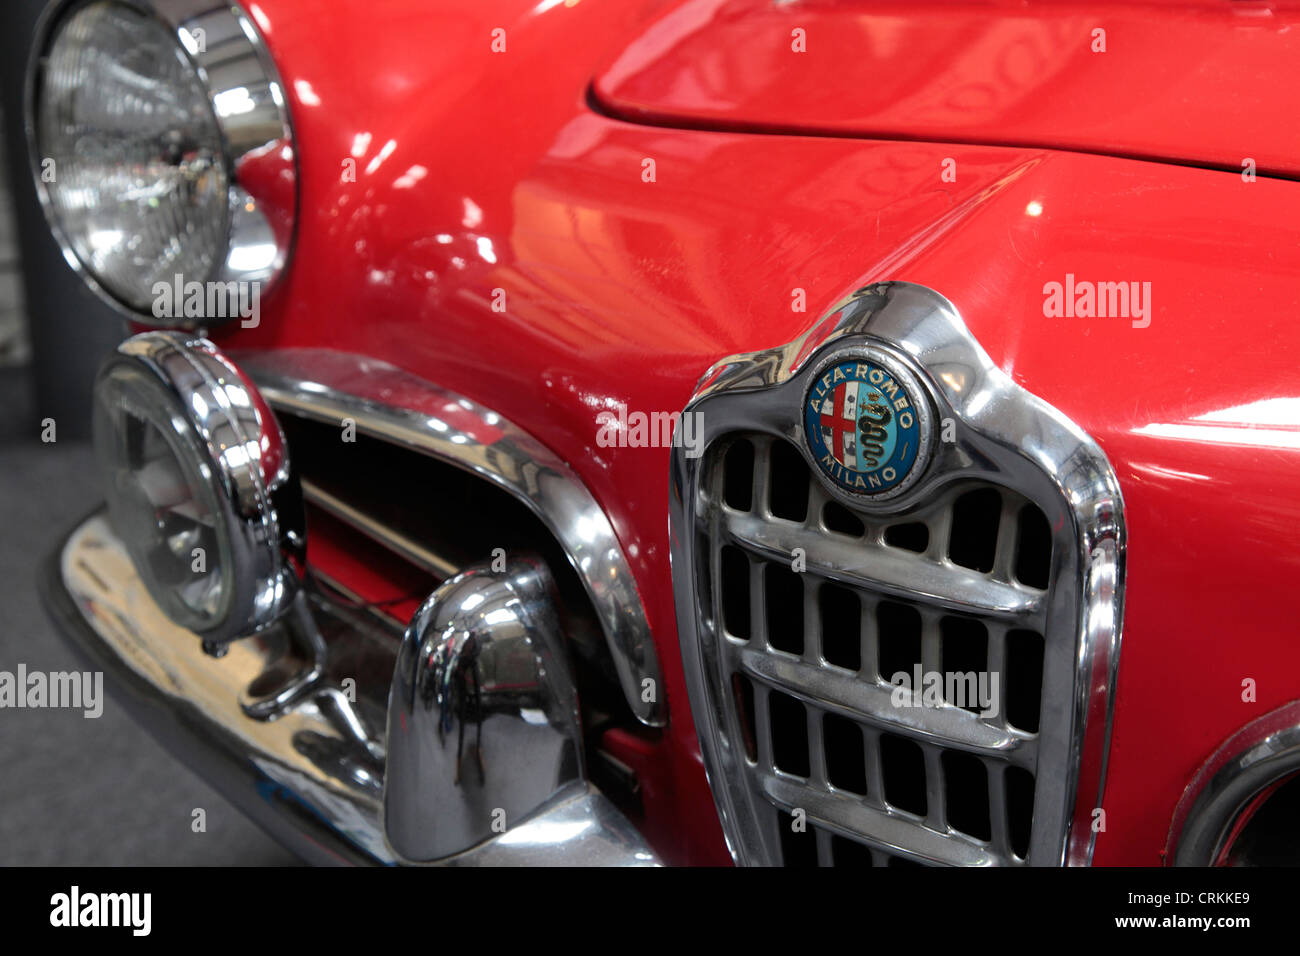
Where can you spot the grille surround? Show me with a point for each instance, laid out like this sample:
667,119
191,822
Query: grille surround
1002,436
399,409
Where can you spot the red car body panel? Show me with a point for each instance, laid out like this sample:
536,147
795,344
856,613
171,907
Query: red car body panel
478,171
1187,82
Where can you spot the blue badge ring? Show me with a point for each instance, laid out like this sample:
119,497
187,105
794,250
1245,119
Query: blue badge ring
866,421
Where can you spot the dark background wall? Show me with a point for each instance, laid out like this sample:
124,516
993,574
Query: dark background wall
69,329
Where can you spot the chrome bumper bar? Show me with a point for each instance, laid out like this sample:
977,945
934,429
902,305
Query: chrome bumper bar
313,776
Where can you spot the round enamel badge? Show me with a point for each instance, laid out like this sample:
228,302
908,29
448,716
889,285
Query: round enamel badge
868,427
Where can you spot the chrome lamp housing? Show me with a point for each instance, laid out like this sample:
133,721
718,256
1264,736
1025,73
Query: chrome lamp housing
483,720
199,485
160,142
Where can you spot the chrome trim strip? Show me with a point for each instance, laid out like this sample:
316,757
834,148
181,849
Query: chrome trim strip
1004,435
1263,752
849,561
333,386
313,776
850,696
887,828
234,58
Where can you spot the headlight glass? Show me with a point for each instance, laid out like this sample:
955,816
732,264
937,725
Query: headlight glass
161,497
138,183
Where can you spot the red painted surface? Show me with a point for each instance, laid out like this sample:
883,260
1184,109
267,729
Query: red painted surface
478,172
267,175
1200,81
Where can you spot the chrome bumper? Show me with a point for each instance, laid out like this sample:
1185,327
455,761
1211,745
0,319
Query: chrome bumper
313,776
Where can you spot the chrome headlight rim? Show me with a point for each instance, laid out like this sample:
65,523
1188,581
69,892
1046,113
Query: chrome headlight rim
246,64
221,419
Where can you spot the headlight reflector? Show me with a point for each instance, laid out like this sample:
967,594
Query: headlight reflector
138,183
161,502
161,146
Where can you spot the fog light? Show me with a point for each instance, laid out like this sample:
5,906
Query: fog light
199,484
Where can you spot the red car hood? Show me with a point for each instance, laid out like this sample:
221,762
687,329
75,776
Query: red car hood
1205,84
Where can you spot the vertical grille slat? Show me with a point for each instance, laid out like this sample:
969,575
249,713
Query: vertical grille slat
825,854
875,776
756,598
762,448
931,642
763,727
935,795
817,749
1004,552
997,654
771,825
869,667
940,525
998,809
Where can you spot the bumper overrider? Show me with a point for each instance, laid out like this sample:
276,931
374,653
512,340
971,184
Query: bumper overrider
454,741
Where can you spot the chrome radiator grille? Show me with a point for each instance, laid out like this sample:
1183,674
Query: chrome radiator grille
1000,571
809,654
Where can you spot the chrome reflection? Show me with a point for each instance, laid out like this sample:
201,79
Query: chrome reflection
244,505
1218,801
248,99
313,776
388,403
483,725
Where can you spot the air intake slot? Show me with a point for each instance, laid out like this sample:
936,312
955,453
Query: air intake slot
422,520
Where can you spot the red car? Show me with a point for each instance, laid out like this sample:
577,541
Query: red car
696,431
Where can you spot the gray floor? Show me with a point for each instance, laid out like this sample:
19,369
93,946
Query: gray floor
75,791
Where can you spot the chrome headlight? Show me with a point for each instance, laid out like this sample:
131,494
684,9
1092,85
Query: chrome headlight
199,484
161,147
